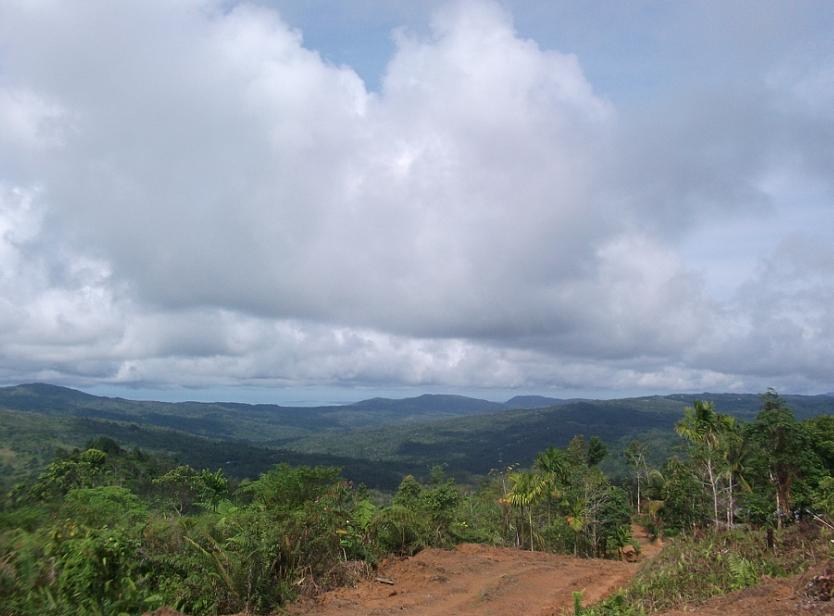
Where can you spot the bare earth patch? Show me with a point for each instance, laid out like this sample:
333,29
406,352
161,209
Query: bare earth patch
475,580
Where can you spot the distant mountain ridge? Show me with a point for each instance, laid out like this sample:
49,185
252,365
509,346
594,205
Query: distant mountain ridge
535,402
375,440
431,402
37,393
47,397
265,423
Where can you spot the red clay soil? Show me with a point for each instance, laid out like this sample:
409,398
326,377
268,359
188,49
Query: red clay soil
475,580
648,548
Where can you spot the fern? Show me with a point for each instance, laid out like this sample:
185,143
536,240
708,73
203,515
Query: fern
742,571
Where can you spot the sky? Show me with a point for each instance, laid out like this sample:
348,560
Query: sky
304,201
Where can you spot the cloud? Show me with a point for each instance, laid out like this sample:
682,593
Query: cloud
192,196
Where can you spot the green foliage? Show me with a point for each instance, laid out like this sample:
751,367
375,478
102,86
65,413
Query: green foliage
616,605
83,470
399,530
286,488
100,570
690,570
824,501
597,451
182,488
179,488
684,501
109,530
103,506
784,451
421,515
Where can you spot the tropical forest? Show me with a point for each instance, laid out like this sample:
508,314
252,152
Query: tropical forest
715,504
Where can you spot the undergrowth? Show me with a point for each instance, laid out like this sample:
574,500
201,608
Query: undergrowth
688,570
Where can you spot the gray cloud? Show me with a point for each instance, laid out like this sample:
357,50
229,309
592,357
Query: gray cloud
189,195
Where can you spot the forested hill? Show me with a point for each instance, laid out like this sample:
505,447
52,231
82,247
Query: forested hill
475,445
375,440
266,423
271,422
746,406
276,425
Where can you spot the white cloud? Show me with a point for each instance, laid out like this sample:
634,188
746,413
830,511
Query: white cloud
210,202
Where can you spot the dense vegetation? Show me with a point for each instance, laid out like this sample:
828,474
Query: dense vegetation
104,530
694,568
749,499
29,441
112,528
375,441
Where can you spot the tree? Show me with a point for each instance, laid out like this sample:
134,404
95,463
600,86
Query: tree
82,470
596,451
527,488
785,444
684,504
704,429
212,487
179,488
103,506
553,462
736,453
285,488
635,455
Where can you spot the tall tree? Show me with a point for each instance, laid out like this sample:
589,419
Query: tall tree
735,455
635,455
785,442
555,468
527,489
596,451
704,428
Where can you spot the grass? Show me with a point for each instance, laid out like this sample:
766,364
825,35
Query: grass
690,570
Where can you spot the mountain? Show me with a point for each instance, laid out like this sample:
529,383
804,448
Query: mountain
476,444
34,396
374,440
533,402
746,406
432,402
263,423
472,446
30,440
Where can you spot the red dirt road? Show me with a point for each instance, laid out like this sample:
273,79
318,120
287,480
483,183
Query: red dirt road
475,580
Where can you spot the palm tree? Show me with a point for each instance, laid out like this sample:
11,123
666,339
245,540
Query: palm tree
555,469
526,490
704,428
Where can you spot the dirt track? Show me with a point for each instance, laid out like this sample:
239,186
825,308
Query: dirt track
476,580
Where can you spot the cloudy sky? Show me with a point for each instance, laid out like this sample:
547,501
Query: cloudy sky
309,199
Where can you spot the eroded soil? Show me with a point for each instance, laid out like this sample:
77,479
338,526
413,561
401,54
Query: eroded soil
475,580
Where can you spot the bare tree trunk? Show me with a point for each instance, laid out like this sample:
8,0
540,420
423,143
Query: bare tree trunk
731,504
638,492
712,483
778,503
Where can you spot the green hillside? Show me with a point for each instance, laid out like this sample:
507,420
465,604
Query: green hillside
30,440
475,445
265,423
375,441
